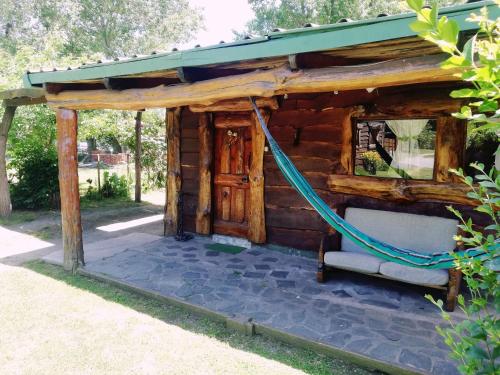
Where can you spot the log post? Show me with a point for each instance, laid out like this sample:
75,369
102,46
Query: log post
138,152
347,151
174,182
256,217
450,148
204,210
5,203
68,186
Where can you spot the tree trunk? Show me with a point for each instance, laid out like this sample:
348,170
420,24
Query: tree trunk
174,182
138,152
69,190
204,210
5,203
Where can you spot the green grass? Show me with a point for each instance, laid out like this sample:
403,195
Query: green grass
86,203
230,249
19,217
260,351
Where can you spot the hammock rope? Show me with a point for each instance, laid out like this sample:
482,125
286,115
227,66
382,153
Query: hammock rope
407,257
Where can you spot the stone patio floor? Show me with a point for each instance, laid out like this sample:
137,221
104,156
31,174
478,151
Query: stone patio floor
384,320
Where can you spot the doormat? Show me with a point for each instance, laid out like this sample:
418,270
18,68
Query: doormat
230,249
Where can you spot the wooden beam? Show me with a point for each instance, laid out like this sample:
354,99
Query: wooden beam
230,120
5,202
400,190
138,153
347,150
34,92
204,209
174,180
450,148
236,105
257,216
262,84
69,190
17,102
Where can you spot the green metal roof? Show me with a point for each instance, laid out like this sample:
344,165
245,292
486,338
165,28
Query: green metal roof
307,39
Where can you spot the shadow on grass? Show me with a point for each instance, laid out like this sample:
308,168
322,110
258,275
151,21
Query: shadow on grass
305,360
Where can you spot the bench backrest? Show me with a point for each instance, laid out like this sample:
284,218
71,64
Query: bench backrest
422,233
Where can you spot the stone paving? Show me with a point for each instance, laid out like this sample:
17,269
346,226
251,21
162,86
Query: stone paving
381,319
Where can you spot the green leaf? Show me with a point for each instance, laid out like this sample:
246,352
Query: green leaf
416,5
449,31
464,93
420,26
468,51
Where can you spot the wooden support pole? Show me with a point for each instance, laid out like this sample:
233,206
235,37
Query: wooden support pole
5,203
68,186
204,210
450,148
138,152
174,181
262,83
257,216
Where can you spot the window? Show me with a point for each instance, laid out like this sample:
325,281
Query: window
396,148
480,148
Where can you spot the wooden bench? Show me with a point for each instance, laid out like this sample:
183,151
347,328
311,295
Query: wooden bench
417,232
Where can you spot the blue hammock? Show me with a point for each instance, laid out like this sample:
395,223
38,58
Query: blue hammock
378,248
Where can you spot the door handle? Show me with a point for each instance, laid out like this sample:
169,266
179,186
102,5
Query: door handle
244,179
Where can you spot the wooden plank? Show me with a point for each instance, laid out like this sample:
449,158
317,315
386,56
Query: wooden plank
17,102
256,216
33,92
71,224
204,211
296,238
231,120
174,180
450,148
295,218
5,202
267,83
232,180
400,190
236,105
138,153
230,229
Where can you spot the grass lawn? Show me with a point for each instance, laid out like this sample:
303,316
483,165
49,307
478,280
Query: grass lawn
56,323
19,217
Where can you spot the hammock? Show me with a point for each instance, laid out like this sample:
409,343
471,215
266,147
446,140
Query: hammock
407,257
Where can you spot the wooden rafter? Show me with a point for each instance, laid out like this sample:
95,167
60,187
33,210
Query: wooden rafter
261,84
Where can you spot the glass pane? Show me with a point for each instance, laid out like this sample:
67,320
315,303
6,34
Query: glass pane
396,148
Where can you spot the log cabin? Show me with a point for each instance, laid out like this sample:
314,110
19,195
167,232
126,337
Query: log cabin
362,108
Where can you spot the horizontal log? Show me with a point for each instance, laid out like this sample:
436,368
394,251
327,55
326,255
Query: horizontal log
266,83
190,159
400,190
235,105
286,196
317,180
190,145
231,120
293,218
305,164
296,238
302,118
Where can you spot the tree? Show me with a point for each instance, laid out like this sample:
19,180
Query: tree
475,340
289,14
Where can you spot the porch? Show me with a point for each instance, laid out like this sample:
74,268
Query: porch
272,290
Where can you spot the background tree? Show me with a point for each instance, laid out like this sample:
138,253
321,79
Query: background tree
289,14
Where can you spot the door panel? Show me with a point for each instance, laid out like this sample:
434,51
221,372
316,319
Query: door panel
233,146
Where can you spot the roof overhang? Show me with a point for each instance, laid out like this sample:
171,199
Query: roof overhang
23,96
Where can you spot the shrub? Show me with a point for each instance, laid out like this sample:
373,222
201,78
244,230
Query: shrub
115,186
372,162
34,181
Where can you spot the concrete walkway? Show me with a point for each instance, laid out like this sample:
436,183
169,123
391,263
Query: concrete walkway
383,320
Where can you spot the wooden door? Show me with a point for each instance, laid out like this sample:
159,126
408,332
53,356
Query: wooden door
233,154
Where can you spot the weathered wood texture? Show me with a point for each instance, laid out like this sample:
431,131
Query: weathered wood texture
190,166
204,209
266,83
450,148
236,105
400,190
257,217
138,153
5,203
174,179
67,125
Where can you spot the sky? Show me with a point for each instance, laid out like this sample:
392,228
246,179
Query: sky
221,17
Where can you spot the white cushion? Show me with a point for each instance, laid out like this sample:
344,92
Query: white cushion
353,262
426,234
419,276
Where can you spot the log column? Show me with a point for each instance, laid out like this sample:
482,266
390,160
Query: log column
5,203
204,210
69,191
138,152
257,217
450,148
174,182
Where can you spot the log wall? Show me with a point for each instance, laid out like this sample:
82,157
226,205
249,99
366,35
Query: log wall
309,128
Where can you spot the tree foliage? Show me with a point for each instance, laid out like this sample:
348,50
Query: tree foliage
288,14
474,341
